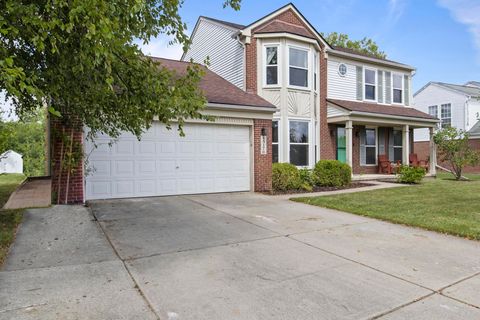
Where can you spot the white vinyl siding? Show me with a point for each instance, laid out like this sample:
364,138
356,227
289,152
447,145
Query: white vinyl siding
225,53
345,87
436,95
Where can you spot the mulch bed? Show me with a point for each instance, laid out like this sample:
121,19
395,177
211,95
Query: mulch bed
352,185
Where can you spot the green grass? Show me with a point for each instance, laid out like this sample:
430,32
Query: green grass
9,219
442,205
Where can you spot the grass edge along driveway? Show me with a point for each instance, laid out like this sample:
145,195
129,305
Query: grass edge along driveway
440,204
9,219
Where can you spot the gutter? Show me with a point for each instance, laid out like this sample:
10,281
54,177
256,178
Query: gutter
379,115
373,60
235,107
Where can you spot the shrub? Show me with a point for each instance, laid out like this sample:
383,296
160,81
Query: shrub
285,177
332,173
411,174
306,177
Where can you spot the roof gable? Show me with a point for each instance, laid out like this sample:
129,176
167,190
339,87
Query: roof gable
465,90
287,14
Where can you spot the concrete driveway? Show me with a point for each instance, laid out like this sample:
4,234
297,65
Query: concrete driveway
233,256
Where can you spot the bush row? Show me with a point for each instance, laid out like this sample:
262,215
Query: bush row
327,173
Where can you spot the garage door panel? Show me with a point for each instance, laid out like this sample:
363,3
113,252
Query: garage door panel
211,158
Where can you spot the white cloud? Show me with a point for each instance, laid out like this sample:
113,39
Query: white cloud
160,47
395,11
466,12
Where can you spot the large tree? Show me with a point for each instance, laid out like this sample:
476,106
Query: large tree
80,59
365,45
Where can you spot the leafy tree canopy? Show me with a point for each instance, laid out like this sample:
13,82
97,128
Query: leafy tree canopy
80,59
365,46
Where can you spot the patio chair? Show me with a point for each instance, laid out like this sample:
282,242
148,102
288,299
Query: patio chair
414,162
384,165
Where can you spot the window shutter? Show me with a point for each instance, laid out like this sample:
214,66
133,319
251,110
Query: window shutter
363,152
380,86
381,141
359,83
388,87
407,90
390,145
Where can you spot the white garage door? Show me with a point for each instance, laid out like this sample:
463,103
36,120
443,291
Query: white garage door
210,158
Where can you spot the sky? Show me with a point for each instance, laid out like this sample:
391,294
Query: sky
441,38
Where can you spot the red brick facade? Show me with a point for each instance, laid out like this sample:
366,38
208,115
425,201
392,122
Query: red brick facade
251,66
422,149
67,185
262,163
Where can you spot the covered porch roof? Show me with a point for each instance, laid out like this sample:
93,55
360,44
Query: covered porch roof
340,111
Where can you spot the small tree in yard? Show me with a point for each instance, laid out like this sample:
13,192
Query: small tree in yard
454,149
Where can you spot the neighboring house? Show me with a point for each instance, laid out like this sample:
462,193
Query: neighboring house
455,105
11,162
325,103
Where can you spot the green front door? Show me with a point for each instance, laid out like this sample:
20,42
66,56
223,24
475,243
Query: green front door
341,145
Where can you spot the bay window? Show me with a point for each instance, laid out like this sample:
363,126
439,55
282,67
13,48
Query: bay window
370,84
298,67
299,142
397,87
271,65
274,141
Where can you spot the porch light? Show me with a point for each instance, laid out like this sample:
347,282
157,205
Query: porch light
264,132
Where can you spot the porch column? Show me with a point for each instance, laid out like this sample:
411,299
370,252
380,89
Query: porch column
349,143
433,154
406,144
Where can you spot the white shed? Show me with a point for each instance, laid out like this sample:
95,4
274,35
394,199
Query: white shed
11,162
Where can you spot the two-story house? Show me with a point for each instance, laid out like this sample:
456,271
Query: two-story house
455,105
332,103
279,93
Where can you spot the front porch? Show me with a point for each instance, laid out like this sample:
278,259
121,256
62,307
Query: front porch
375,143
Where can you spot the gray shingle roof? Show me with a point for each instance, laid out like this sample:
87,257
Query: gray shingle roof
473,83
467,90
475,130
227,23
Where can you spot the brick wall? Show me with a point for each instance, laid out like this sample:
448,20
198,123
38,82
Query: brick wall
61,179
422,149
262,164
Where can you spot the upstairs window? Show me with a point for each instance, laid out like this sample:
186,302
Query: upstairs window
397,86
298,67
370,84
271,63
433,111
446,115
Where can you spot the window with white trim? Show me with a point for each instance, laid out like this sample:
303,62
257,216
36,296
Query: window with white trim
368,146
370,84
446,115
397,145
274,141
397,87
299,142
271,65
433,111
298,67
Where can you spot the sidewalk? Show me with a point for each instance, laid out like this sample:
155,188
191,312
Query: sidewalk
33,193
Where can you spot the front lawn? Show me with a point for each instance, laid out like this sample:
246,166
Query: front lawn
9,219
441,204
